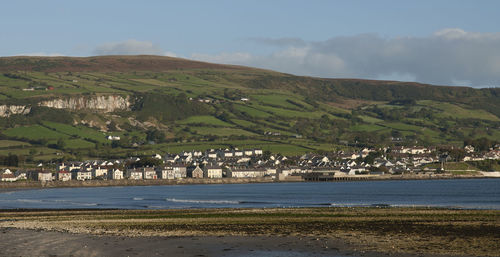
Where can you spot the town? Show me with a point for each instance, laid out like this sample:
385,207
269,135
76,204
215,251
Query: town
234,163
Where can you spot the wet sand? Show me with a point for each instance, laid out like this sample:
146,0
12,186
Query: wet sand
24,242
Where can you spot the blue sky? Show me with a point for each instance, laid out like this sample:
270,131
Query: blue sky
440,42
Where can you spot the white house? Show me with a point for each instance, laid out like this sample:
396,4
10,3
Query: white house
212,155
60,167
81,174
134,174
8,176
228,154
73,167
271,171
113,138
418,150
238,153
247,173
165,173
64,175
149,173
45,176
21,175
180,171
248,152
195,172
469,149
115,174
213,172
100,172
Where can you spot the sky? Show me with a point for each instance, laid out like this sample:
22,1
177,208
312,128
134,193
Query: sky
444,42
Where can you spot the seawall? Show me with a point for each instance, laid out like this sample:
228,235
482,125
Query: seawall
126,182
195,181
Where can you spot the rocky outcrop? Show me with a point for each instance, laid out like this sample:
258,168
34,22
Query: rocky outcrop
7,110
104,103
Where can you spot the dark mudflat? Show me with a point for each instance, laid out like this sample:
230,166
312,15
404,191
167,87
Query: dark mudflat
22,242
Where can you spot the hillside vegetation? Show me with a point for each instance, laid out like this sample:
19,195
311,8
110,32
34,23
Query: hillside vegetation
177,104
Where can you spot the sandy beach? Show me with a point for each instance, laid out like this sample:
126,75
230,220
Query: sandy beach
251,232
24,242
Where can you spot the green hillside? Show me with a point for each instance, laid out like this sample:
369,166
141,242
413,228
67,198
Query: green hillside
177,104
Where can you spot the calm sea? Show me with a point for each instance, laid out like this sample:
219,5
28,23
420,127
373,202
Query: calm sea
459,193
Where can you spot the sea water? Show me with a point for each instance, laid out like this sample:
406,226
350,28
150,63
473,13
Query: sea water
450,193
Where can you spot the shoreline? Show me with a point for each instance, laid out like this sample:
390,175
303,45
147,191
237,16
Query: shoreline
21,185
296,232
49,243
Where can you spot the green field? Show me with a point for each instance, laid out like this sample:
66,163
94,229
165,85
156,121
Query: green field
369,119
34,132
221,131
367,127
452,110
253,112
243,123
284,101
78,131
402,126
13,143
324,114
205,120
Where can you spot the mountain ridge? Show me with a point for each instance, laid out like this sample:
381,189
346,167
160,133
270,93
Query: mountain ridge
104,63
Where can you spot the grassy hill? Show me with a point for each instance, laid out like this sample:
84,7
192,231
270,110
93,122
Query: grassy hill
178,104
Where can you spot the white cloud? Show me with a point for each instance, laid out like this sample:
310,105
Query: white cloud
453,33
446,57
171,54
129,47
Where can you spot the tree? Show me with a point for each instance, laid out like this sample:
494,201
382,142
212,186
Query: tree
266,154
43,141
33,152
370,158
481,144
61,144
396,133
115,144
112,126
156,136
147,162
457,154
12,160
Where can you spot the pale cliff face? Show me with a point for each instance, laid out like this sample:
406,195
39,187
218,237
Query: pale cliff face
105,103
7,110
109,103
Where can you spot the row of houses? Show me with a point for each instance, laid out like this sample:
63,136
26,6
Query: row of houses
84,172
493,154
214,154
173,172
8,176
235,163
